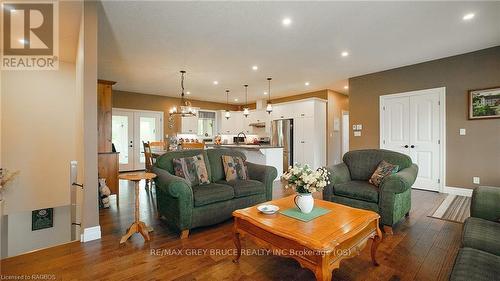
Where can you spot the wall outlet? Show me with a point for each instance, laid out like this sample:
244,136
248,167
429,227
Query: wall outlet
357,133
462,132
475,180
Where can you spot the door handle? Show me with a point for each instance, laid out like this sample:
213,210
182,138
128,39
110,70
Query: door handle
412,146
406,146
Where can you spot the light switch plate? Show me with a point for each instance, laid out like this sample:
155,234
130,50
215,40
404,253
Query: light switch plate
462,132
357,133
359,127
354,127
476,180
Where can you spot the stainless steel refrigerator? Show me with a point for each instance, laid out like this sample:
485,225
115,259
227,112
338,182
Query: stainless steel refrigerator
282,135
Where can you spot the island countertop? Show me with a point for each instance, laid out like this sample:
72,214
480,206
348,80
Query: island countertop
244,146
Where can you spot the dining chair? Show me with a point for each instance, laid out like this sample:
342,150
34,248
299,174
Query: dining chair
157,145
149,160
193,145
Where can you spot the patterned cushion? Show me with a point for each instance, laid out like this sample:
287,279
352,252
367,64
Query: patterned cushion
384,169
234,168
192,169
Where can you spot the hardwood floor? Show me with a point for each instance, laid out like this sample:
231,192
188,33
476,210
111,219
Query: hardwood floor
422,248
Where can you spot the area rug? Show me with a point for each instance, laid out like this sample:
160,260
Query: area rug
454,208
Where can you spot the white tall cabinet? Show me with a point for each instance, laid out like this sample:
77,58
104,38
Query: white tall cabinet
309,129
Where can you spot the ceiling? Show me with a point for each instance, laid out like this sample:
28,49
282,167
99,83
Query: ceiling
143,45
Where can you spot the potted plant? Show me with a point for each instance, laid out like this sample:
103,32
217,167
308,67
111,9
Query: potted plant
305,181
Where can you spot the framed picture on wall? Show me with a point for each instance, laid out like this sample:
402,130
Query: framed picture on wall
43,218
484,103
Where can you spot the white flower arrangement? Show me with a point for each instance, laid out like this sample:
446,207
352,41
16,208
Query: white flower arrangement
305,180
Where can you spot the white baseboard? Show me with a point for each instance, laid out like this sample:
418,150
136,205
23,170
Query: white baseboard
458,191
91,233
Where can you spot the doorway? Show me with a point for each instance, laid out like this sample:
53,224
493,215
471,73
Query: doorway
345,133
413,123
129,129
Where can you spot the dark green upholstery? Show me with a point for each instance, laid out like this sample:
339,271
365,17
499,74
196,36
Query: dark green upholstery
475,265
186,207
360,190
349,183
211,193
244,188
482,234
479,259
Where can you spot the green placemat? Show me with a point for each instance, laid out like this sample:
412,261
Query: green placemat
297,214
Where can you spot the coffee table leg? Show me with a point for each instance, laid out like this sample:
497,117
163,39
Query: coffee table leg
375,242
323,272
237,243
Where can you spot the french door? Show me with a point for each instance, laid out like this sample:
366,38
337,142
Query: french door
129,129
413,123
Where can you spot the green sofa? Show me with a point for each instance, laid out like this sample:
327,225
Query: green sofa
479,257
349,184
185,207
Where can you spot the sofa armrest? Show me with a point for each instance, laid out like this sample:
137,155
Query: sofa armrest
264,174
338,174
400,181
485,203
174,186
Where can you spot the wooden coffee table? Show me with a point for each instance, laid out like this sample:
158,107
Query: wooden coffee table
319,244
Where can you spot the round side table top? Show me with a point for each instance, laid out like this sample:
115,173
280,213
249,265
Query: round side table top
137,176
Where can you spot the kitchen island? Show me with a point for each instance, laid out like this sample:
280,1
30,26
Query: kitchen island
259,154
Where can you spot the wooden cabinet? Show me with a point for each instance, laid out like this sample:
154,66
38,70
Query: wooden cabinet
107,160
107,164
104,108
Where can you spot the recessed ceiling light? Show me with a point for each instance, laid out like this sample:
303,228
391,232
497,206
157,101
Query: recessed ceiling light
255,67
344,54
235,99
216,82
286,21
468,16
346,87
307,83
188,93
265,93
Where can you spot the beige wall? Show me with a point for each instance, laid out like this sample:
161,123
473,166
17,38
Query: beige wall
477,153
337,103
130,100
89,79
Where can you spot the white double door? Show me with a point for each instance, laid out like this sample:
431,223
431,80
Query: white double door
129,129
413,123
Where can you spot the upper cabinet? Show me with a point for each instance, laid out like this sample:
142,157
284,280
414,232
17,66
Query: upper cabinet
189,125
294,109
104,108
238,123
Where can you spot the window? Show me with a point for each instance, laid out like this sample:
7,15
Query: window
206,123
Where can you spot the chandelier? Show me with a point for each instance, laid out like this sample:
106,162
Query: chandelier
185,109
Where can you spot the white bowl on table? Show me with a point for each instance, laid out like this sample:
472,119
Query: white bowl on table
268,209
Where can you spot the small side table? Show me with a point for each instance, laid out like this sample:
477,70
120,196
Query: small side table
137,226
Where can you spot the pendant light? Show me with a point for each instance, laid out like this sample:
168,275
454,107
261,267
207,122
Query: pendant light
185,106
227,114
269,107
246,112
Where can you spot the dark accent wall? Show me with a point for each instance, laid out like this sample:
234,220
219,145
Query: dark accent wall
475,154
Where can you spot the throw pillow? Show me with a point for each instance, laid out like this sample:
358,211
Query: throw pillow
192,169
235,168
383,170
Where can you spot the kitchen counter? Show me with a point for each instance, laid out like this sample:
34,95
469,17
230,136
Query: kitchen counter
259,154
244,146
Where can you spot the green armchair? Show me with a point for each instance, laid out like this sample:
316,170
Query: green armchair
349,184
185,206
479,256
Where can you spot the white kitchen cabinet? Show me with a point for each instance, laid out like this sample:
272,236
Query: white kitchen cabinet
233,125
189,125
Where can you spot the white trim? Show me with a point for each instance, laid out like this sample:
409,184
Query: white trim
301,100
442,137
90,234
458,191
